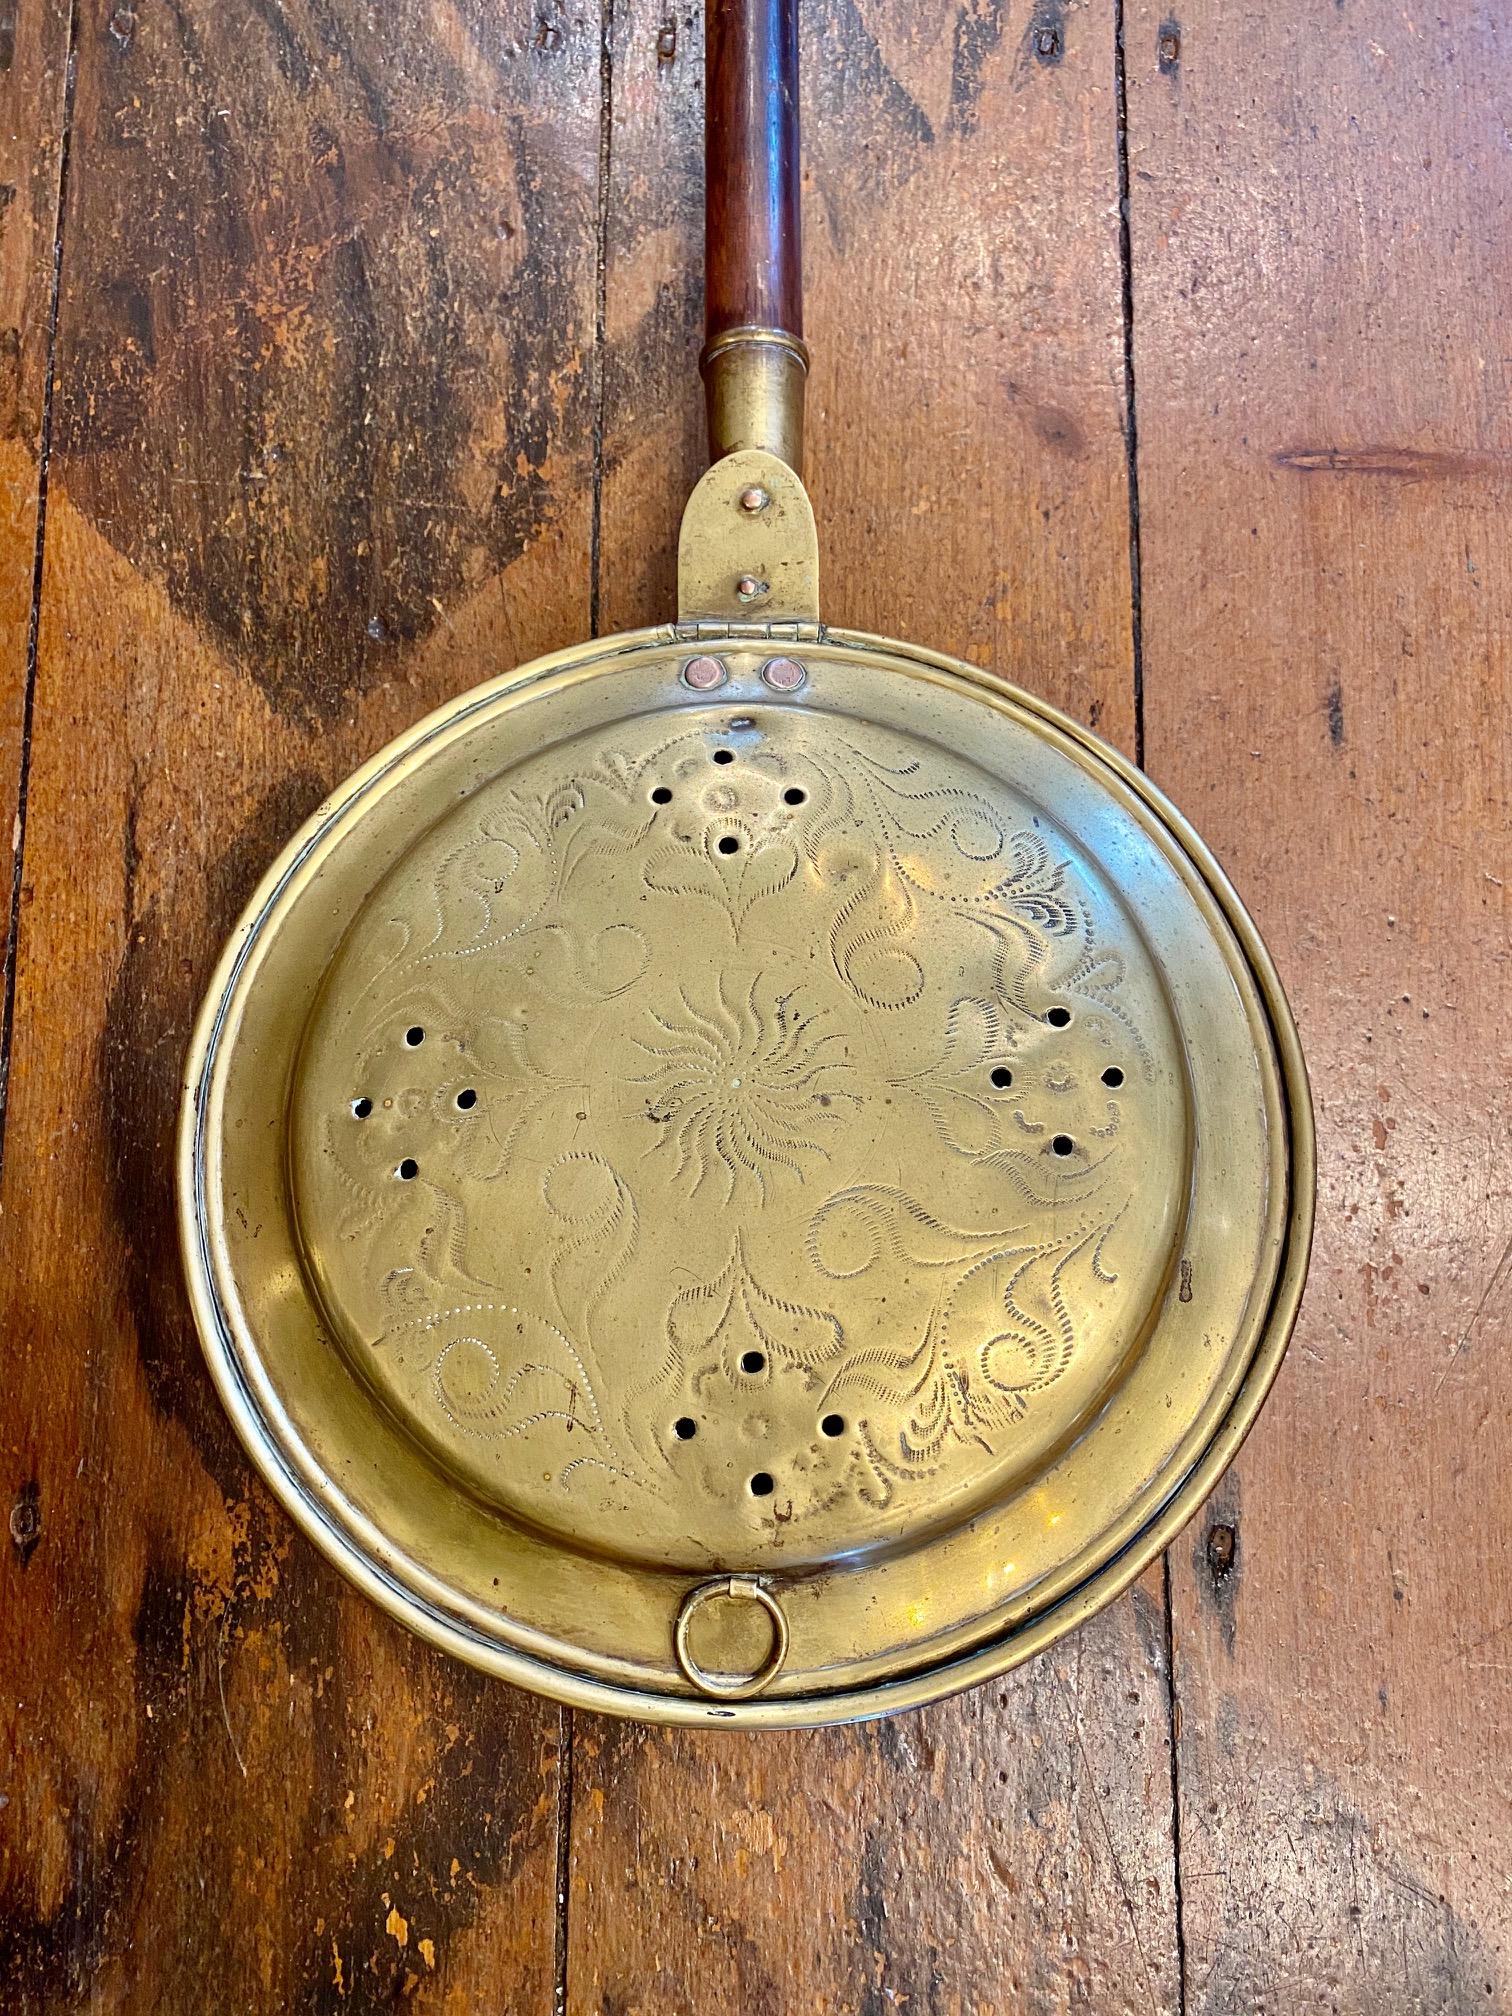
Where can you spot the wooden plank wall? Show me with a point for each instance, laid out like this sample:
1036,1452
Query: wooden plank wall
1160,364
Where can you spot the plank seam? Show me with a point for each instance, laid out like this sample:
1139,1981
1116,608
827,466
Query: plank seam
568,1738
1136,640
565,1742
1131,420
1171,1715
601,312
34,622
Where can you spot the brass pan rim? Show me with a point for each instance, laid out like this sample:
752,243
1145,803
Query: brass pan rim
317,1503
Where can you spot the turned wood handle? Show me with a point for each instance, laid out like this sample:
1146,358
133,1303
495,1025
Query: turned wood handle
754,275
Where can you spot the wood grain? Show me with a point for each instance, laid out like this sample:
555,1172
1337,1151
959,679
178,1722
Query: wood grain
376,371
753,257
1320,215
1006,1851
1011,1850
33,90
322,451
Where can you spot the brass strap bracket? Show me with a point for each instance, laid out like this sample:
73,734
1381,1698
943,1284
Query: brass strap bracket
748,551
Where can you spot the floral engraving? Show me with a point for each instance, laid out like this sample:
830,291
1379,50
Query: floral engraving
746,1108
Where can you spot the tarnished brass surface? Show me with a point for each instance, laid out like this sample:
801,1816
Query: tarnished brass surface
754,386
822,1168
748,547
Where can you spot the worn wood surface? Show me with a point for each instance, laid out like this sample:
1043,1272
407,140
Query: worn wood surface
375,369
1321,305
33,91
325,380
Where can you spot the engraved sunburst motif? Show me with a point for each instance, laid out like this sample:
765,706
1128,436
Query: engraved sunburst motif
717,1143
747,1083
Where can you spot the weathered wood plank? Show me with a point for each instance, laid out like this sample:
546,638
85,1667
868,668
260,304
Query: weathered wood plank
322,454
1006,1851
1320,213
1011,1850
33,92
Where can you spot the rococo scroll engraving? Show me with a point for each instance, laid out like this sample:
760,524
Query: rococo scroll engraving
740,1115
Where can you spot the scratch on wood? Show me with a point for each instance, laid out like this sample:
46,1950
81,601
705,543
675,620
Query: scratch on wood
220,1687
1411,465
1102,1821
1500,1282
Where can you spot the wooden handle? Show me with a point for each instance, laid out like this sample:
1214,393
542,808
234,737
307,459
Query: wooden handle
754,258
754,362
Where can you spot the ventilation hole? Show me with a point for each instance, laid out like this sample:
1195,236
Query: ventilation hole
1063,1144
414,1037
1002,1077
661,795
467,1099
408,1169
685,1427
793,795
724,755
763,1484
752,1361
1058,1017
1113,1076
728,844
362,1108
833,1424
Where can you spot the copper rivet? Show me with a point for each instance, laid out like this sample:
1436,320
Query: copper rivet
703,674
783,673
755,499
749,589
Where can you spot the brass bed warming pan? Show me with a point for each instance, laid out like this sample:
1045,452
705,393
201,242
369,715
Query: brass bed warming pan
745,1172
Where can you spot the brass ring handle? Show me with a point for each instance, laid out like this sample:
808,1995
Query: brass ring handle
731,1686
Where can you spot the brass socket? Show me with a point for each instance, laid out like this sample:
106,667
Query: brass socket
754,382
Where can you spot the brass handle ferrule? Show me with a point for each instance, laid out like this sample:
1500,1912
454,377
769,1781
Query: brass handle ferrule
754,382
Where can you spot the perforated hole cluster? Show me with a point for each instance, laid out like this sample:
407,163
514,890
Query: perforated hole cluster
1000,1079
362,1107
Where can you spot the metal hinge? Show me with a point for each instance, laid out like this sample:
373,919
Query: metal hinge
709,629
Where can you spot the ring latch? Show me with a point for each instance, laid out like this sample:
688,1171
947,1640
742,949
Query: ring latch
731,1686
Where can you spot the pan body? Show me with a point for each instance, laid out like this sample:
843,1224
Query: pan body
741,1180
